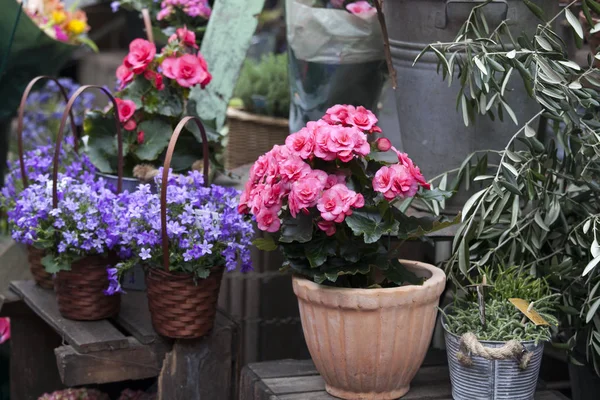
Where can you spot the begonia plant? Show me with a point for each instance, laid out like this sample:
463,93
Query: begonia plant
332,204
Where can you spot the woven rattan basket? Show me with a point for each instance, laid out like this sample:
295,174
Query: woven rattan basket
181,306
252,135
38,271
80,291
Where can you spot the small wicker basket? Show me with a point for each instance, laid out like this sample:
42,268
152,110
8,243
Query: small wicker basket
41,277
252,135
181,306
80,291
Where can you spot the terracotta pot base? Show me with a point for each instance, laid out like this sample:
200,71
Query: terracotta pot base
348,395
368,344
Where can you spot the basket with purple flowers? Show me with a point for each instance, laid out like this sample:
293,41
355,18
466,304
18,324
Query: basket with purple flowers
185,237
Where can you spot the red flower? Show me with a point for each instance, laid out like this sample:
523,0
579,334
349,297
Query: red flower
141,53
140,137
130,125
126,109
4,329
158,82
124,75
190,71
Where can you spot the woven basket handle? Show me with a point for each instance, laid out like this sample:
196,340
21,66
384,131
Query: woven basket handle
24,98
59,137
165,178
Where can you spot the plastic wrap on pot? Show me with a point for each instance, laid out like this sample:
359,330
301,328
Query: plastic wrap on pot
335,58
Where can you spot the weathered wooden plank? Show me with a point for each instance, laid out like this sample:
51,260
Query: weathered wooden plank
203,369
297,384
84,336
138,361
134,317
283,368
13,259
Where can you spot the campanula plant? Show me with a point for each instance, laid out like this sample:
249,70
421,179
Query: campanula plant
203,227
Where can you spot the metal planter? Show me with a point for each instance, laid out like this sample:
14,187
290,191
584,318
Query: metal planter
492,380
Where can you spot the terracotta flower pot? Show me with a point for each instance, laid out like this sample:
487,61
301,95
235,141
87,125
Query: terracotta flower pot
368,344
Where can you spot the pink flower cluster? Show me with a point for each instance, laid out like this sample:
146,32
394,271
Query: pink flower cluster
284,178
177,62
280,174
399,180
362,9
193,8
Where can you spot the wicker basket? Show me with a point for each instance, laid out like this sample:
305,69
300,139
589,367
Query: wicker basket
38,271
182,307
80,291
251,135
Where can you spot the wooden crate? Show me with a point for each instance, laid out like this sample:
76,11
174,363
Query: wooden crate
299,380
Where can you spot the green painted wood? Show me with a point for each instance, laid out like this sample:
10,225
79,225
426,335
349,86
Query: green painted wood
224,46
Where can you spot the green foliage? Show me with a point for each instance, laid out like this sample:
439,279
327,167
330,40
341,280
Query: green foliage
504,321
267,79
540,207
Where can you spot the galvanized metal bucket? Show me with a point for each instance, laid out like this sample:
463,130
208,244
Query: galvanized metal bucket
495,379
432,130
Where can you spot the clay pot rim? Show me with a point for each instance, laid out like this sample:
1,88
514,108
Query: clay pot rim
437,278
446,309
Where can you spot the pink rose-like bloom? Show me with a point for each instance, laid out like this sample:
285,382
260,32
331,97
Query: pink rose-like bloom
334,179
168,67
130,125
187,37
158,82
141,54
336,202
361,118
301,142
306,191
294,168
382,182
337,114
124,75
414,170
267,220
362,9
383,144
344,141
271,195
327,226
126,109
204,65
189,71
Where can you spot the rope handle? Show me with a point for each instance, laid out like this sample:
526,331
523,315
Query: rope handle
469,345
59,138
165,178
22,106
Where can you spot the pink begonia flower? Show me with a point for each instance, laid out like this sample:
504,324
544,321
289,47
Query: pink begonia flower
294,168
267,220
4,329
327,226
186,37
204,65
189,71
362,119
362,9
336,202
167,66
124,75
395,181
126,109
306,191
383,144
336,114
334,179
414,170
382,182
141,54
301,142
